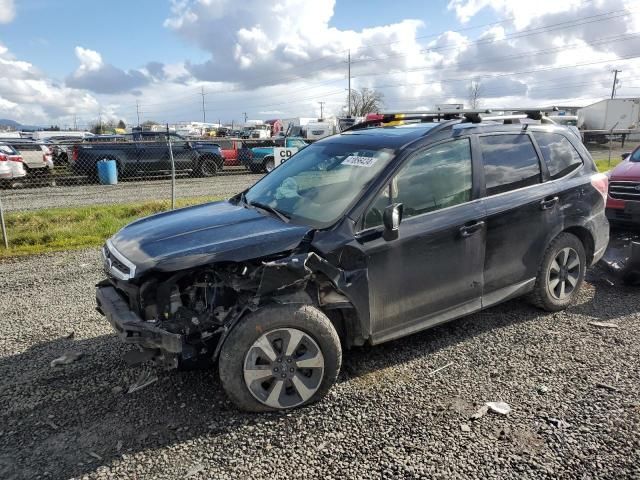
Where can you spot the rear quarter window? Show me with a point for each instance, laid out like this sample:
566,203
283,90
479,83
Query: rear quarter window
560,156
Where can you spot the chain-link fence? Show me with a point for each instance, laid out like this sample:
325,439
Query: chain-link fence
45,186
158,171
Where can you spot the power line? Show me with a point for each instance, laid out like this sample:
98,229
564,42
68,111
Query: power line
537,30
516,35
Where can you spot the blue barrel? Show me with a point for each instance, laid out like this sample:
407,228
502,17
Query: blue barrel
107,172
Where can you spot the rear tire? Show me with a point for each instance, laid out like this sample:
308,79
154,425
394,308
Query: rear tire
261,372
208,167
560,275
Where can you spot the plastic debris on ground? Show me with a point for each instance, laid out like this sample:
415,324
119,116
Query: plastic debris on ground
67,358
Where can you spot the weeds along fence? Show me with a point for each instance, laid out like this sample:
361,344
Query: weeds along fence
71,194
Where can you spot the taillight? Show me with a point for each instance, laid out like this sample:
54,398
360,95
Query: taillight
17,158
3,158
601,183
75,153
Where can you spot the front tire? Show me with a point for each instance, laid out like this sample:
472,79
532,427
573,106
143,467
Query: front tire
561,274
269,164
280,357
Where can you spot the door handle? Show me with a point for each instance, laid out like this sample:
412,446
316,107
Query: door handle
470,229
548,203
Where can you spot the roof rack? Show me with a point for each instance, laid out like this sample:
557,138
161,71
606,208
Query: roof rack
466,115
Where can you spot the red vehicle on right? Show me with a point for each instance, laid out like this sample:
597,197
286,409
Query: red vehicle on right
623,201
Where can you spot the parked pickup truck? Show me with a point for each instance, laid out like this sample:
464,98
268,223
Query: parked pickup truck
233,150
148,152
260,159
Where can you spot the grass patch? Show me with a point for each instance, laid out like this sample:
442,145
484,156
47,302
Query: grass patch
603,163
56,229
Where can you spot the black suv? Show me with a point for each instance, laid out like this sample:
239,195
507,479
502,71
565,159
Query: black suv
362,237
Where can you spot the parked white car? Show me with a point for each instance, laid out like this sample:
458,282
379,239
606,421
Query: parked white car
37,157
11,164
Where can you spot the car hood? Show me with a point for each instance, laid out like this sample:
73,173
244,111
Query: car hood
626,171
202,234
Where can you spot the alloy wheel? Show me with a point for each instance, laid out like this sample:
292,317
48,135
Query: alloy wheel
564,273
283,368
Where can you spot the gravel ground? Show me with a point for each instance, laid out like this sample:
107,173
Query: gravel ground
225,185
573,389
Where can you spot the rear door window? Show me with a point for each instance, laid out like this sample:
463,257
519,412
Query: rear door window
561,157
510,162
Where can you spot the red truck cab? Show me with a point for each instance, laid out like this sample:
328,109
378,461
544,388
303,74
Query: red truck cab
623,200
230,148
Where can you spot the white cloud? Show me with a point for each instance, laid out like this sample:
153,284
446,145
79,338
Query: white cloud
95,75
7,11
280,58
26,95
90,60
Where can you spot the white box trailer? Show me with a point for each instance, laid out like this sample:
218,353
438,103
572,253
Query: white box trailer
615,115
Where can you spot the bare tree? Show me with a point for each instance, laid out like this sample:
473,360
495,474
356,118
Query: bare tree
366,100
475,94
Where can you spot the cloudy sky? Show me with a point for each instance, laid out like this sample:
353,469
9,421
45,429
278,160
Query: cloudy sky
68,59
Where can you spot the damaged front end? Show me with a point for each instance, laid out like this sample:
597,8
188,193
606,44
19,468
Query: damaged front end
183,317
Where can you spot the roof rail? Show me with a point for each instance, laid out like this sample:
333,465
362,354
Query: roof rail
467,115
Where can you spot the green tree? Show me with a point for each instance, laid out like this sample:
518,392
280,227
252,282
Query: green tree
122,125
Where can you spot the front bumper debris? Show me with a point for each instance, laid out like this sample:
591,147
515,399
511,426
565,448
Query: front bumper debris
622,258
131,328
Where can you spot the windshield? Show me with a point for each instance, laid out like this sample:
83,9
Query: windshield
318,184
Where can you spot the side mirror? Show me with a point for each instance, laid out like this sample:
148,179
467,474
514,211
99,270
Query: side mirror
391,219
625,155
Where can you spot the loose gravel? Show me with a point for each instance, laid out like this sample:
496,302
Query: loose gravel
573,389
35,198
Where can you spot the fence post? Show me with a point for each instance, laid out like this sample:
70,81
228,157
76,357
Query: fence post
610,138
4,228
173,172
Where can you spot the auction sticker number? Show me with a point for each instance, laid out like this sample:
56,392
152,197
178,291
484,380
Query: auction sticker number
358,161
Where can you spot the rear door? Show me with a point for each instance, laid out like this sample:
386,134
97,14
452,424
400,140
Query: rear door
521,212
433,271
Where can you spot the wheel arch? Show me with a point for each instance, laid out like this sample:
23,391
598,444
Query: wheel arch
586,237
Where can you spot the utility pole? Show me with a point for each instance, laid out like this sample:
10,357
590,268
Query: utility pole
245,116
100,121
349,75
138,111
615,81
321,106
75,122
204,115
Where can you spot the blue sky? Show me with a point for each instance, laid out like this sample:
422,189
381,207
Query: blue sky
66,59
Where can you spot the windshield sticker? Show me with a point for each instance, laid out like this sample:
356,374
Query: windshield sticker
358,161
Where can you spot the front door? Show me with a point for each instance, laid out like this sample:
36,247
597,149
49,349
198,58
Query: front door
433,271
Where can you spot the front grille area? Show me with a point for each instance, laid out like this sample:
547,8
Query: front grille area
624,190
115,264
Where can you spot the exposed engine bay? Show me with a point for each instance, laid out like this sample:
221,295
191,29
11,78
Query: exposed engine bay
197,308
